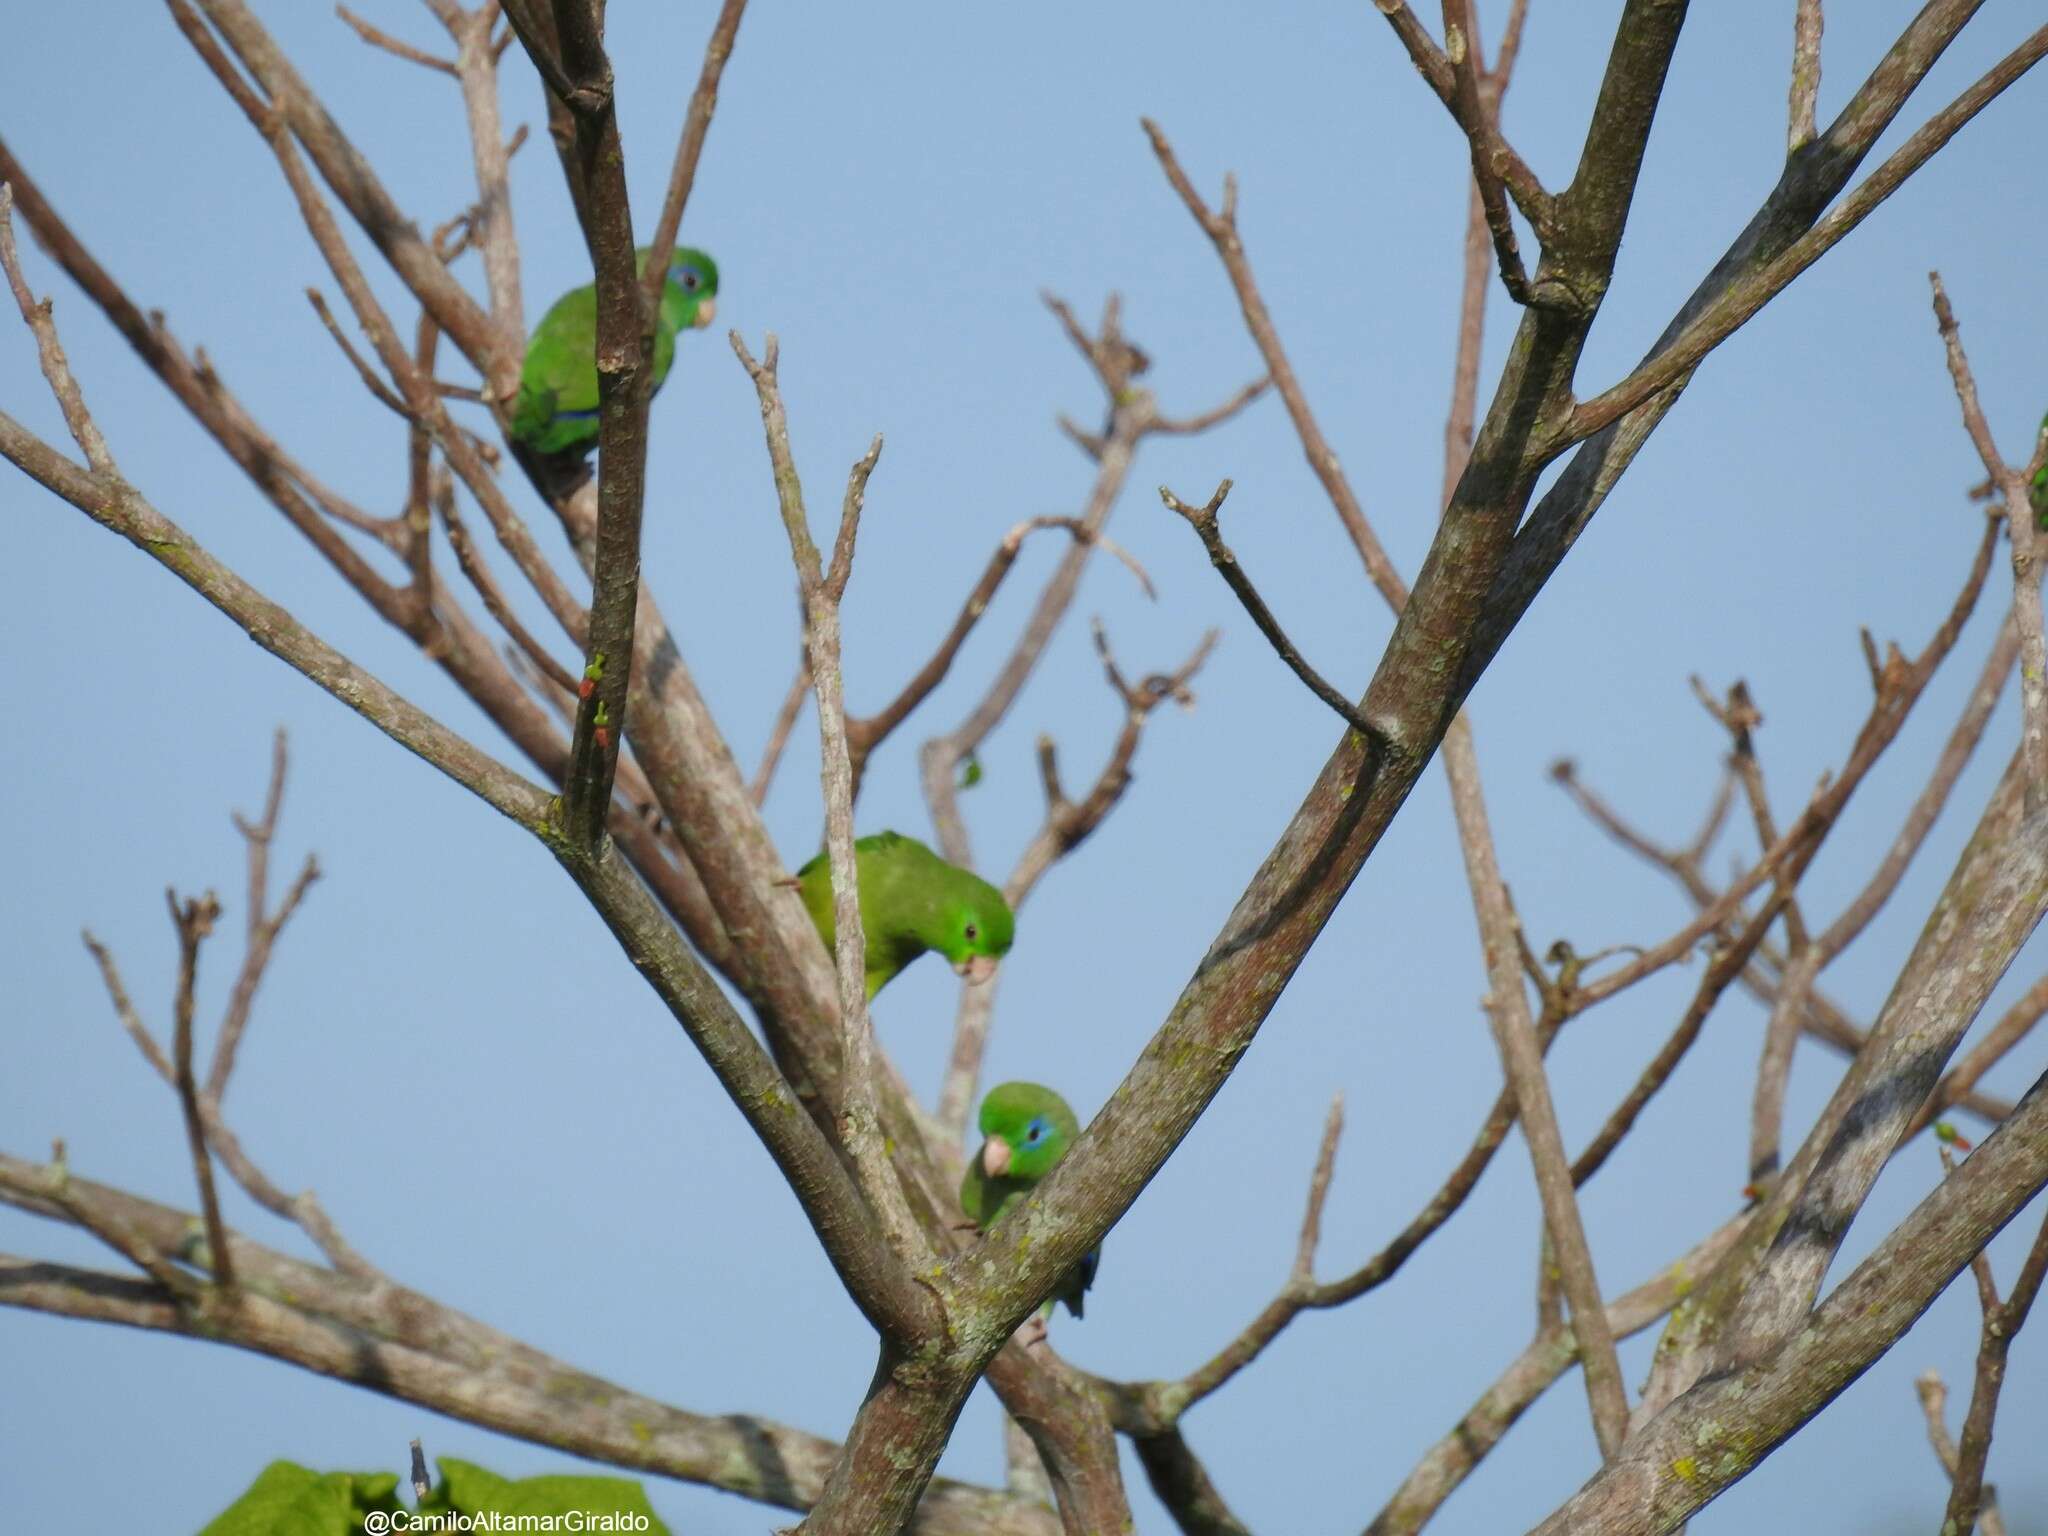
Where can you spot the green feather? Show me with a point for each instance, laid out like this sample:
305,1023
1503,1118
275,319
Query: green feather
1036,1127
2037,491
555,414
911,900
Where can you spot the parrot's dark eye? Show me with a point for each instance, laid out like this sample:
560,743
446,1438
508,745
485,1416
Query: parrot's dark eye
1036,1131
688,277
973,933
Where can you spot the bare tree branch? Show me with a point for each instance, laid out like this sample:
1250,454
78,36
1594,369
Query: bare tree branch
1550,1354
1746,297
2019,527
866,733
690,147
1934,1403
194,920
1440,71
1692,1450
352,180
1203,520
1221,228
391,45
860,1122
397,1341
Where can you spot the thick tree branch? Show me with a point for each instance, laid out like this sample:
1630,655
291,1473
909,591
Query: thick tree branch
1691,1452
625,385
1411,702
1764,1291
408,1346
1748,295
1550,1354
1810,181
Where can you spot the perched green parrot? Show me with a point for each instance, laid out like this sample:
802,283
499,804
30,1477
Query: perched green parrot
2037,493
1026,1129
555,415
911,900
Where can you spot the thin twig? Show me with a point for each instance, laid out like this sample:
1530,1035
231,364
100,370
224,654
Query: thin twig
1304,1271
50,352
1933,1394
690,147
1440,73
1068,824
1822,1018
1203,520
778,733
487,588
2001,1321
390,44
262,925
489,222
866,733
376,386
1469,105
1221,228
194,920
2020,530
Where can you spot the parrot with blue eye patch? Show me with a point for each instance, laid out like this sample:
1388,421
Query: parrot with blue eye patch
911,900
554,417
1026,1129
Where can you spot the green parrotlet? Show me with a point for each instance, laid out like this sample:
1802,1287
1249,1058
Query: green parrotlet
2037,492
911,900
1026,1129
554,417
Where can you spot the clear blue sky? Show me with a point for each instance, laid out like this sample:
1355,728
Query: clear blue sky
492,1106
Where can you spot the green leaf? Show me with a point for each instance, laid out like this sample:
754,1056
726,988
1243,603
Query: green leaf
472,1490
290,1500
971,774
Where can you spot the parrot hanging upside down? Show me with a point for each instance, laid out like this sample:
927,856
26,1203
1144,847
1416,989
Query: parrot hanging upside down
554,417
1027,1128
911,900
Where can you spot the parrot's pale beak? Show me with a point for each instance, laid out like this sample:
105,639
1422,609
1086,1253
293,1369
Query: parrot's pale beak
995,1157
977,969
707,311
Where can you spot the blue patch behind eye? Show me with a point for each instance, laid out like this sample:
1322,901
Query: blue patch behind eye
1034,1131
576,415
689,277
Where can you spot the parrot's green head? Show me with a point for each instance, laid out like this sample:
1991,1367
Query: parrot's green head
1026,1128
978,928
689,298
